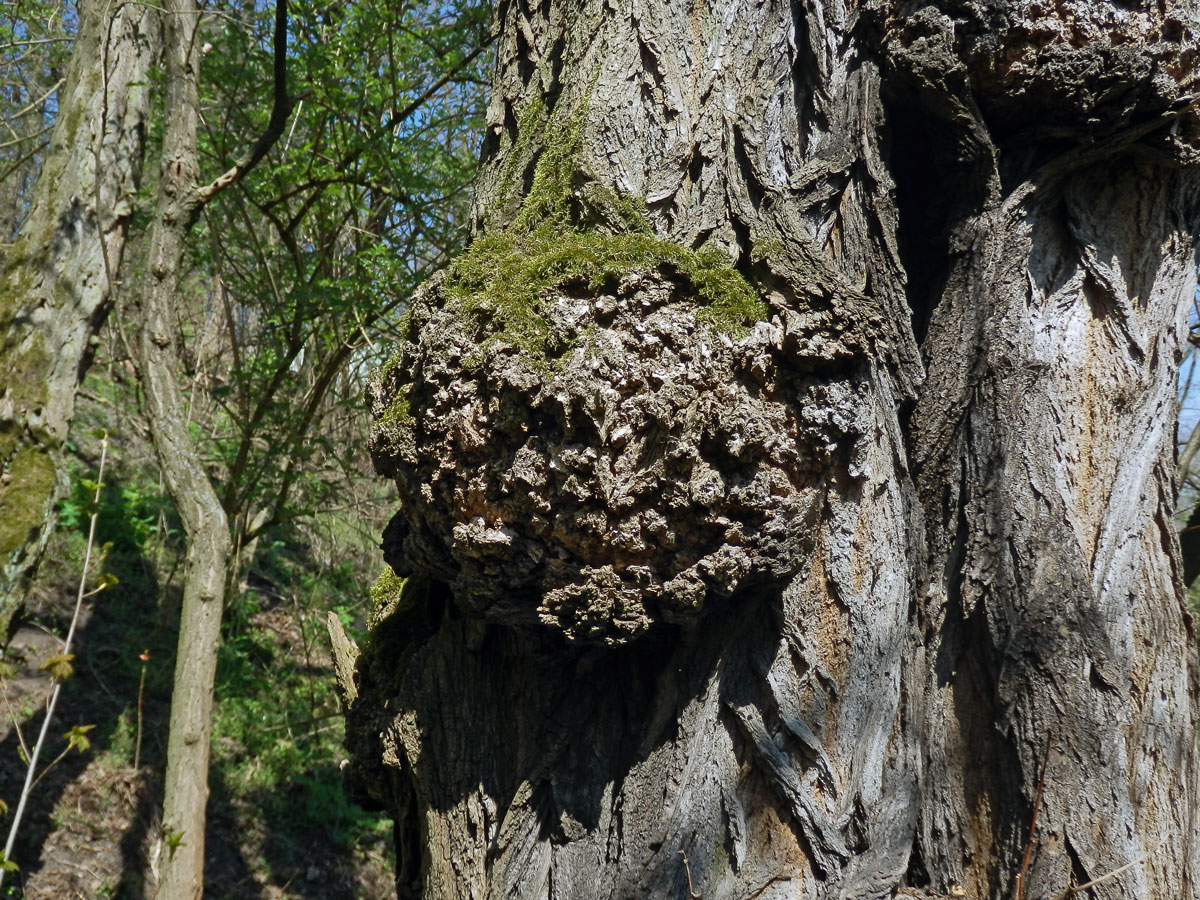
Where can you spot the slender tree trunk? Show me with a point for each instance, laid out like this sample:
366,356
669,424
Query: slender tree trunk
880,593
181,199
57,277
181,851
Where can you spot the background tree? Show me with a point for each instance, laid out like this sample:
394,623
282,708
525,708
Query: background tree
314,256
58,272
878,590
294,339
182,197
270,318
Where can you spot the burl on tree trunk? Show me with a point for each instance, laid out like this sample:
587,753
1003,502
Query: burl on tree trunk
786,469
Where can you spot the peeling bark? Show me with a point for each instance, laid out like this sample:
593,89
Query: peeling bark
973,226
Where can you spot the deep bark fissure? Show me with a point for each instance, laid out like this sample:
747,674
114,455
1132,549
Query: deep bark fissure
971,343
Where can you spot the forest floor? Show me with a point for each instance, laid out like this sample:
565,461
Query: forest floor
92,827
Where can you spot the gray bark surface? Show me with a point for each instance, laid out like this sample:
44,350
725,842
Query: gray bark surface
179,849
940,598
56,279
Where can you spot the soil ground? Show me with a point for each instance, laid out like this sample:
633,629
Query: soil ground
91,827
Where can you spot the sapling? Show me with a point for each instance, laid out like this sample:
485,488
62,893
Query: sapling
59,667
137,747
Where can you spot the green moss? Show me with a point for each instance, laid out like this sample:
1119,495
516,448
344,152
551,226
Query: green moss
26,371
548,203
568,229
585,232
30,485
720,863
386,595
531,122
24,364
622,214
504,277
399,412
766,249
15,281
416,611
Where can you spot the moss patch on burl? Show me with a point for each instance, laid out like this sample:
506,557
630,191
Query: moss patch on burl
386,595
505,277
571,229
549,411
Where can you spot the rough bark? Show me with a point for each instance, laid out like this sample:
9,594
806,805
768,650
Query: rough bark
57,277
937,597
1060,649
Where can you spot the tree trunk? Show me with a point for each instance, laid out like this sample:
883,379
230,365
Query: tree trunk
181,847
57,277
181,198
876,592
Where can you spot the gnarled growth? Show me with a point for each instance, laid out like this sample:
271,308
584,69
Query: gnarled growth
906,538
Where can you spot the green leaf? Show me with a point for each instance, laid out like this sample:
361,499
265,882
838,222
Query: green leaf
59,666
77,738
174,840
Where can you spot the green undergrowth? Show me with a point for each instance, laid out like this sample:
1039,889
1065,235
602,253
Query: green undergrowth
278,727
278,797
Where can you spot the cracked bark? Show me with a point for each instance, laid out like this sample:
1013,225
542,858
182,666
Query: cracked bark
973,223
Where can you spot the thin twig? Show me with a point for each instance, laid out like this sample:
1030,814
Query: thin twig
281,108
35,103
1107,876
22,139
295,119
30,772
33,42
687,868
1037,804
50,765
24,159
137,747
17,727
